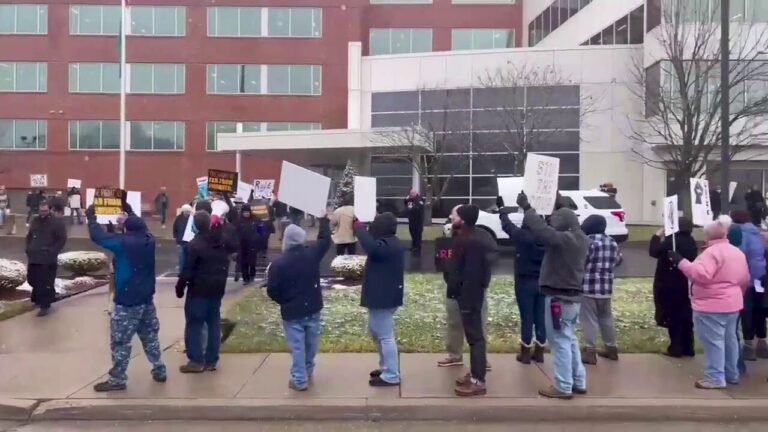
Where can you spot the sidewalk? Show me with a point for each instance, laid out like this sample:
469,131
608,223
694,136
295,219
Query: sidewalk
48,366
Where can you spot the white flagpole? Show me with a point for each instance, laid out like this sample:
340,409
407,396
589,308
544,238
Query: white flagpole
123,10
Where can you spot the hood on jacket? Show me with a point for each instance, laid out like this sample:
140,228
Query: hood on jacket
293,236
594,224
686,225
564,219
135,224
383,225
749,228
202,221
204,205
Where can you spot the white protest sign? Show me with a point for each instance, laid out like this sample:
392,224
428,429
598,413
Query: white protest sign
509,189
131,197
244,191
219,208
74,183
188,233
263,188
365,198
731,189
38,180
304,189
540,182
671,222
700,205
74,201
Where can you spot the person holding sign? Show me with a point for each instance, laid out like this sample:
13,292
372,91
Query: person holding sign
414,208
45,240
75,204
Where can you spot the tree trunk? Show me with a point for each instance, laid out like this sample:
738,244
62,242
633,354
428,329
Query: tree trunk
681,187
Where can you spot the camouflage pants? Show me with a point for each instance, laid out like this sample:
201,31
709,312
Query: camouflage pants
128,321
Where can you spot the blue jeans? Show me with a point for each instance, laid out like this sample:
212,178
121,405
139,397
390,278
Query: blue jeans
717,333
303,338
201,313
381,324
181,253
569,372
530,302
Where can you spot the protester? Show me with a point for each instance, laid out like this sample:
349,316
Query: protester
265,227
58,203
755,204
33,203
562,274
293,282
45,240
753,315
75,204
530,301
5,206
472,275
247,235
414,208
161,205
670,288
204,277
134,310
596,307
718,277
179,227
342,221
382,292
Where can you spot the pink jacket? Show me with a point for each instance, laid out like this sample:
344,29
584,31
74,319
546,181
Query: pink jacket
719,277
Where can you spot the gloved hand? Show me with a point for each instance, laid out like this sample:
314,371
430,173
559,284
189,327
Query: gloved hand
674,257
356,224
522,201
90,214
180,285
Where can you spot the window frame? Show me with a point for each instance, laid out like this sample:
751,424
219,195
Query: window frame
510,36
264,72
42,23
152,123
154,90
214,10
44,82
38,123
154,21
101,77
101,136
390,31
101,18
290,22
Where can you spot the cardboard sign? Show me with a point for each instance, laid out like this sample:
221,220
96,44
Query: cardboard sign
700,205
222,181
38,180
365,198
108,204
731,190
188,233
671,222
540,182
134,199
74,183
509,189
202,187
244,191
74,201
304,189
263,188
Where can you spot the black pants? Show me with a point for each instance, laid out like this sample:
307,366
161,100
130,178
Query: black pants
753,316
681,334
163,213
346,249
416,230
472,320
248,264
42,278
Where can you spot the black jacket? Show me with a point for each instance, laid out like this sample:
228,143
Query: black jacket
293,278
179,226
246,232
45,240
206,265
472,270
34,200
280,210
528,253
414,210
383,280
670,286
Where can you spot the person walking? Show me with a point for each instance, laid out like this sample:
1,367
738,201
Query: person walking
74,201
596,307
179,227
58,203
719,277
293,282
204,277
530,301
382,292
342,221
134,309
562,274
670,288
414,209
247,235
45,240
161,205
472,274
34,199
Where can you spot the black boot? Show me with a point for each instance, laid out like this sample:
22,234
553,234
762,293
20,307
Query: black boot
525,354
538,352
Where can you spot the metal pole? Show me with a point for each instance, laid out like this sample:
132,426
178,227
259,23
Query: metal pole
725,100
123,80
238,156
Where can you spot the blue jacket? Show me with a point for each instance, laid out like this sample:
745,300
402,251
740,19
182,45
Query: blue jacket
528,253
134,260
383,284
753,246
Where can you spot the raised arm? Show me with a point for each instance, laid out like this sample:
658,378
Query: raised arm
323,238
374,248
543,233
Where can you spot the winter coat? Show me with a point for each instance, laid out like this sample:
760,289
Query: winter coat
472,270
293,278
134,260
280,210
58,203
206,265
161,202
45,239
246,232
670,286
528,254
753,246
414,209
719,277
179,226
383,278
34,201
341,222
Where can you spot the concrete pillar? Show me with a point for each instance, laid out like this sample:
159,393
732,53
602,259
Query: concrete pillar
354,85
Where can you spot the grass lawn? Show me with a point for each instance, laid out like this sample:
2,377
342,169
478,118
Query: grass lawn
421,321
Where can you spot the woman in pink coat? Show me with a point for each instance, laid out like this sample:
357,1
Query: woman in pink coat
719,277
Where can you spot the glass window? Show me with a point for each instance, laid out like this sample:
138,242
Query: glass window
293,79
295,22
213,128
94,78
157,78
24,19
279,21
637,26
251,79
158,135
234,21
622,31
759,11
466,39
224,78
94,20
461,39
158,20
24,77
94,135
23,134
400,41
280,79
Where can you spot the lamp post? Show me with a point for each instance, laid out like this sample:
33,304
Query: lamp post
725,98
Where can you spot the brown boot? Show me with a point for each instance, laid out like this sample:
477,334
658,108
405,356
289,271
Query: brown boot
525,354
589,356
473,388
538,352
762,349
464,380
610,353
191,368
553,393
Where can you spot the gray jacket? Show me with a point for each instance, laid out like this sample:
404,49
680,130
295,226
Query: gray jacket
566,247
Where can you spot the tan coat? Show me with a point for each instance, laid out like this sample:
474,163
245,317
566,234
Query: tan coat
341,222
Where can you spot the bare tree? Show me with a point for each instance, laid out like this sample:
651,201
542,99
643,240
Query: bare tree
681,129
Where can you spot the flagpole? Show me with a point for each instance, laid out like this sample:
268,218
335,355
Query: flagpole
123,130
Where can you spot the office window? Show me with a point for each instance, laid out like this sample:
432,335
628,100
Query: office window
157,135
23,19
627,30
22,134
23,77
162,78
265,79
294,79
94,135
473,39
400,41
94,20
234,21
234,79
94,78
158,20
295,22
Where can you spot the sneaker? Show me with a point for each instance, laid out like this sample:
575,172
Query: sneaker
610,353
210,368
375,373
450,361
473,388
159,378
553,393
589,356
464,380
762,349
705,384
191,368
295,387
378,382
579,391
108,386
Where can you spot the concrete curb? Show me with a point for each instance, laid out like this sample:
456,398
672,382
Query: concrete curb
17,409
487,409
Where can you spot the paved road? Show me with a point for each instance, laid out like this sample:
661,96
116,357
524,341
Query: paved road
298,426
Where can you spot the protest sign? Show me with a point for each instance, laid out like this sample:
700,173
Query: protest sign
731,189
134,199
304,189
243,191
222,181
509,188
219,208
365,198
671,223
188,233
202,187
38,180
700,205
108,204
74,183
540,182
263,188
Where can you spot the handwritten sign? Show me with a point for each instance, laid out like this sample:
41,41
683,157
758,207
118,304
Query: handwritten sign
38,180
671,221
540,182
263,188
222,181
700,205
74,183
